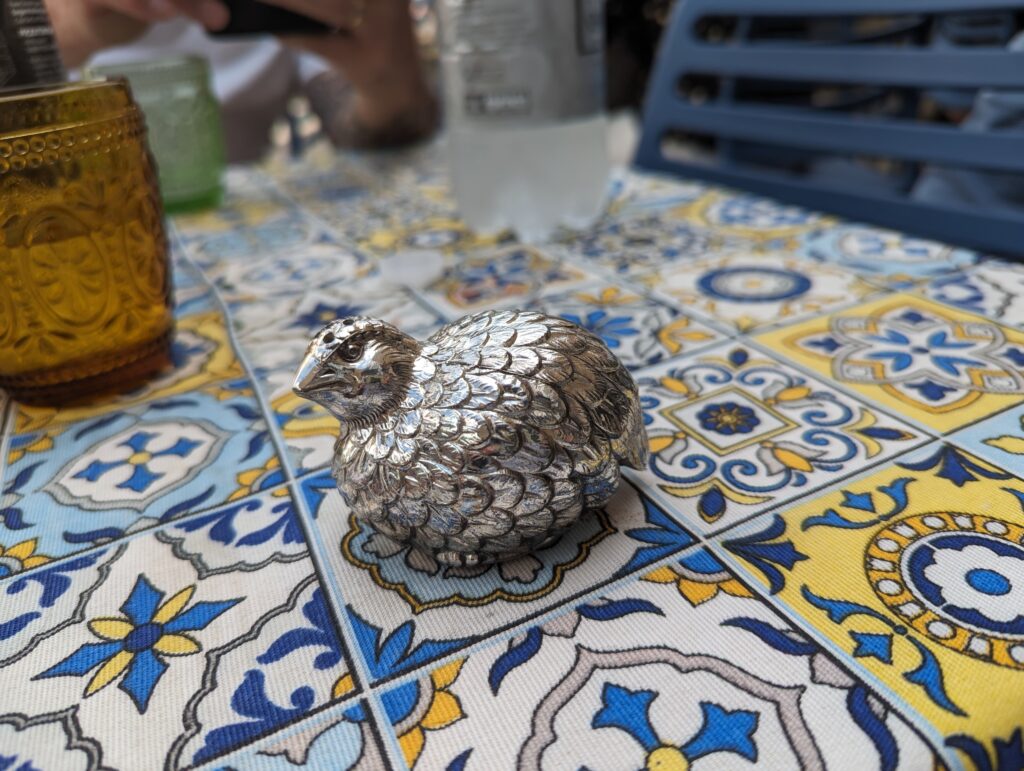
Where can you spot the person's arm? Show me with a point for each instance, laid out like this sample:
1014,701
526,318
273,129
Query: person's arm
377,94
84,27
380,98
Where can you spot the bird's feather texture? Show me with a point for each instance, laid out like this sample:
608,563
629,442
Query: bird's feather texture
511,424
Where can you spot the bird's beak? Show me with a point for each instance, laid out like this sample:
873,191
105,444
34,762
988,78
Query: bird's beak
309,378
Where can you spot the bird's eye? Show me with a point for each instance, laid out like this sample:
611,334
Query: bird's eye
350,351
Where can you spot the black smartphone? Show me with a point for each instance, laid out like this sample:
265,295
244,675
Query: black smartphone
251,17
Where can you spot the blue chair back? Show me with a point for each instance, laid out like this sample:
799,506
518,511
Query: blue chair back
713,50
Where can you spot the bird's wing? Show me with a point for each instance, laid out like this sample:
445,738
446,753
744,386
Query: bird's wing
564,379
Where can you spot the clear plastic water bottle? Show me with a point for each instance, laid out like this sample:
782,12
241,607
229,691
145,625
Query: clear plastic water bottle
524,99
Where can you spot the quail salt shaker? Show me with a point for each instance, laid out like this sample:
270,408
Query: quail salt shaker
484,442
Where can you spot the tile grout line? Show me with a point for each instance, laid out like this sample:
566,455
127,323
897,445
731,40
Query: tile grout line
313,539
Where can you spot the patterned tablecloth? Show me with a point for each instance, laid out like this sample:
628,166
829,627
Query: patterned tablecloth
822,566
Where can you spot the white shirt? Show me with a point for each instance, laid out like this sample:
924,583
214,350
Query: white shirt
253,77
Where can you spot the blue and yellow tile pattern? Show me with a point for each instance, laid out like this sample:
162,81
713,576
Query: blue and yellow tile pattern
822,566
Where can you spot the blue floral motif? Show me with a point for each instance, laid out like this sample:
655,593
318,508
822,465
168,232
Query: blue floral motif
949,463
250,700
1009,752
136,644
721,730
938,350
728,418
896,491
13,517
663,536
767,554
479,281
222,525
320,635
929,360
928,673
7,763
55,584
609,328
395,653
522,649
142,477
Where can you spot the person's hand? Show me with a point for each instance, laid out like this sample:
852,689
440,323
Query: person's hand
375,49
84,27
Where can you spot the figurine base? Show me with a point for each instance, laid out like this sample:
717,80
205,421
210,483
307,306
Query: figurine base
116,373
475,559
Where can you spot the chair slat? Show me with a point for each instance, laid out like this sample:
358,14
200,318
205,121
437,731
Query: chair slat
994,226
805,8
837,134
874,65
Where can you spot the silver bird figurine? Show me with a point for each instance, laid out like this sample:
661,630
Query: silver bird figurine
481,444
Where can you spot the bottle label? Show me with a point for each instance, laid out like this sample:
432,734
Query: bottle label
28,52
522,61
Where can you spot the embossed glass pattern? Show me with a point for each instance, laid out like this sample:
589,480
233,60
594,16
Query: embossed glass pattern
184,124
84,273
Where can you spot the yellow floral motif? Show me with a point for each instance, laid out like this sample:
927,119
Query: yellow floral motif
789,457
791,394
697,591
250,213
673,335
662,443
41,443
611,295
440,233
20,556
444,710
344,686
667,759
251,480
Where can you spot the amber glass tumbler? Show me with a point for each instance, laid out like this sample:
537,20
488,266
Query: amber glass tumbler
85,305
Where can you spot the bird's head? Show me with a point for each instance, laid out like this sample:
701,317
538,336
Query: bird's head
358,368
